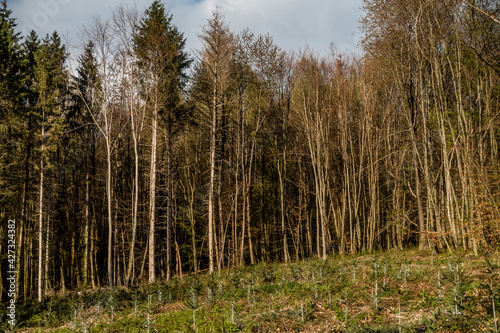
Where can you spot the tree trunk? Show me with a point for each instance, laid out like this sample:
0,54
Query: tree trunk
213,130
110,215
47,234
86,231
193,233
61,270
179,260
92,261
40,217
281,172
135,194
152,189
169,203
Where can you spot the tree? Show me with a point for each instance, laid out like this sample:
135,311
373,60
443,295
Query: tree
50,81
30,48
159,46
87,92
126,24
312,101
12,116
429,50
214,74
102,116
11,75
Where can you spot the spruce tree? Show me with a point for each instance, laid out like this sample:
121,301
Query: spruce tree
86,97
159,46
50,81
12,127
11,75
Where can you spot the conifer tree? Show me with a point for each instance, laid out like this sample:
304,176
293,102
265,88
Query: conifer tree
29,114
50,83
11,76
11,117
87,95
160,49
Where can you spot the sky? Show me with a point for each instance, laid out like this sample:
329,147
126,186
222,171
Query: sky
293,23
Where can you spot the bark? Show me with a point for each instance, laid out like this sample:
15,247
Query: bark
110,214
40,217
86,232
169,204
213,129
152,188
281,173
47,234
135,192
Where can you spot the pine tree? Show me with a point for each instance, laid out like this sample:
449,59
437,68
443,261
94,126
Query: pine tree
29,114
11,76
86,96
12,127
50,83
159,47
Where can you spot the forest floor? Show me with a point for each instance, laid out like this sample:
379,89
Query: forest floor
405,291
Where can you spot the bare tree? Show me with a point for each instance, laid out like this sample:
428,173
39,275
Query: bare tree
101,33
126,20
312,101
215,59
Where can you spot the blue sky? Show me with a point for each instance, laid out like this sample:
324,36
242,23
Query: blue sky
293,23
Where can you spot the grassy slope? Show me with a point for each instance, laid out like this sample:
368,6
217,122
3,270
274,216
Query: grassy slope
387,292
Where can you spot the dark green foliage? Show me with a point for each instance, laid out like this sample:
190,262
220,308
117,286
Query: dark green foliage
11,64
159,47
12,114
50,83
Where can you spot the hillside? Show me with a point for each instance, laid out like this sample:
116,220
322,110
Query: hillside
387,292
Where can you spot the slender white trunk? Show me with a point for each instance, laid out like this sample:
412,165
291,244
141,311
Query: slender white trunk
169,205
47,234
86,232
152,192
212,179
135,194
40,222
110,216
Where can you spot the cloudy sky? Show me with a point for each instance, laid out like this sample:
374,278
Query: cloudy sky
293,23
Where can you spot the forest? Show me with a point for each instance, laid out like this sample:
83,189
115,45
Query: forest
143,162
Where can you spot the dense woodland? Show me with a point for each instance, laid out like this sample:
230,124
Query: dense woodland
142,162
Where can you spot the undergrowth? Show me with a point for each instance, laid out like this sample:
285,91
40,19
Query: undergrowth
387,292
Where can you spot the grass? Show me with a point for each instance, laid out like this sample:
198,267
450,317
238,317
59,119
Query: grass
387,292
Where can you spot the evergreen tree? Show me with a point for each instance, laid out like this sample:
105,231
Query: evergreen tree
159,47
11,120
11,81
11,75
50,83
86,97
28,115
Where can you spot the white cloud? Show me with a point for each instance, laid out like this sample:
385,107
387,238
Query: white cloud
296,23
293,23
